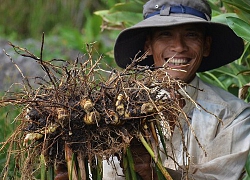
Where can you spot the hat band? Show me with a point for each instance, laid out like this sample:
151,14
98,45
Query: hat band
181,10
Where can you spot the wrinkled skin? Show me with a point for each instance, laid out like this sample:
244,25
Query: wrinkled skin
181,48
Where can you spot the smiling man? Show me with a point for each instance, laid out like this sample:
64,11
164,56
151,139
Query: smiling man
180,48
179,35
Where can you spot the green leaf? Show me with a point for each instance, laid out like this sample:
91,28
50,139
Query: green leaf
43,167
240,27
129,18
235,68
215,7
239,4
247,167
240,7
133,6
222,18
131,164
214,78
247,2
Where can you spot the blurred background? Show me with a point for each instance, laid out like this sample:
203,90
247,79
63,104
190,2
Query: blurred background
68,25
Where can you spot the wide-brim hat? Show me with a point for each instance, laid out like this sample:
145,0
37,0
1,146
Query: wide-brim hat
226,45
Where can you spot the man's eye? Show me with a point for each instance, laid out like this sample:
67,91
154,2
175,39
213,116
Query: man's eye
192,34
165,34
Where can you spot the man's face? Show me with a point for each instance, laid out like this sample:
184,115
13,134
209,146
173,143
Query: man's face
180,48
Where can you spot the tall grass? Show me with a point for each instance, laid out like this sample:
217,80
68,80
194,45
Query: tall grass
28,18
7,126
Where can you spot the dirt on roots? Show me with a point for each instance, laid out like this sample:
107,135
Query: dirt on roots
92,111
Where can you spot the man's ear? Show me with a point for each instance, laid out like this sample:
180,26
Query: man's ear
147,46
207,46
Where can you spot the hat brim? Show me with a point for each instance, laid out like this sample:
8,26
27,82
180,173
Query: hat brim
226,45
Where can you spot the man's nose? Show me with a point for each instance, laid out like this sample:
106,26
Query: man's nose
179,45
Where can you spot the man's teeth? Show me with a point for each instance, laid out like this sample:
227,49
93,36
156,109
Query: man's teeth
177,61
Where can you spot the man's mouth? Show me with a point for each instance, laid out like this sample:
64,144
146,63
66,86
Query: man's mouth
177,61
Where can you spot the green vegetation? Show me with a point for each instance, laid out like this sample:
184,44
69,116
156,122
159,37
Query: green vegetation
72,24
66,25
7,126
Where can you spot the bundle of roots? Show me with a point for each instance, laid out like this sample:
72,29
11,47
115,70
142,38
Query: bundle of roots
79,108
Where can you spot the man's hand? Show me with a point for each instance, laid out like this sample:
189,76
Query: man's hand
142,161
61,172
176,175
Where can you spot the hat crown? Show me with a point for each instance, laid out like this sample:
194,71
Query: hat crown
153,6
